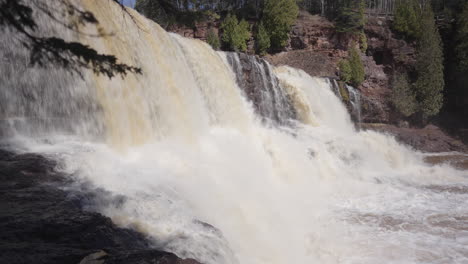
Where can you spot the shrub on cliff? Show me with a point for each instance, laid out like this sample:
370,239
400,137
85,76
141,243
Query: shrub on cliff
262,40
345,70
235,34
429,67
363,42
351,69
278,17
213,40
403,97
357,68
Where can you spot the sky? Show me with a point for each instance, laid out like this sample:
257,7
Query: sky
130,3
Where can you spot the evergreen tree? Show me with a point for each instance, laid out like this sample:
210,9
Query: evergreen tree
278,17
213,40
429,67
403,97
351,17
363,41
242,35
345,70
407,19
229,26
351,69
235,34
161,11
262,40
357,68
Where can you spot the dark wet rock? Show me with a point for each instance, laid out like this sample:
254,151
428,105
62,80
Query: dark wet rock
374,111
147,256
42,223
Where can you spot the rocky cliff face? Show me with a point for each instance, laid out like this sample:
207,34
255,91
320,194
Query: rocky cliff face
385,55
317,48
314,47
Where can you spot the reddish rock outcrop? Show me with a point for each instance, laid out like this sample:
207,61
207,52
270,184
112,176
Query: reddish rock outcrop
385,48
384,56
314,46
312,32
199,30
313,62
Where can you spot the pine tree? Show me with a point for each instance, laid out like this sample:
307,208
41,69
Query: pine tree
213,40
407,19
278,17
229,28
351,69
345,70
357,68
403,97
161,11
242,35
235,34
429,67
363,41
262,40
351,17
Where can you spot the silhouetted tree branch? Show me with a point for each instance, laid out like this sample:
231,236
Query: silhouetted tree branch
54,50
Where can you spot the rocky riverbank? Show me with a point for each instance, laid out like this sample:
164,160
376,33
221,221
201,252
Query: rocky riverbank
43,222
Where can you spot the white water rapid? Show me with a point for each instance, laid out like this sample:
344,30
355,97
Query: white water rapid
204,176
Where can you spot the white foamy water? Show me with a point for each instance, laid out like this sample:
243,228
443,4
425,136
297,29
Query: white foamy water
204,177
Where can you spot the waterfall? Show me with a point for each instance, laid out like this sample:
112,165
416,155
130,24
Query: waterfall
214,168
259,84
336,87
355,99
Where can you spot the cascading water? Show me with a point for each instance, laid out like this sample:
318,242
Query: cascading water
207,179
255,77
355,99
336,87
